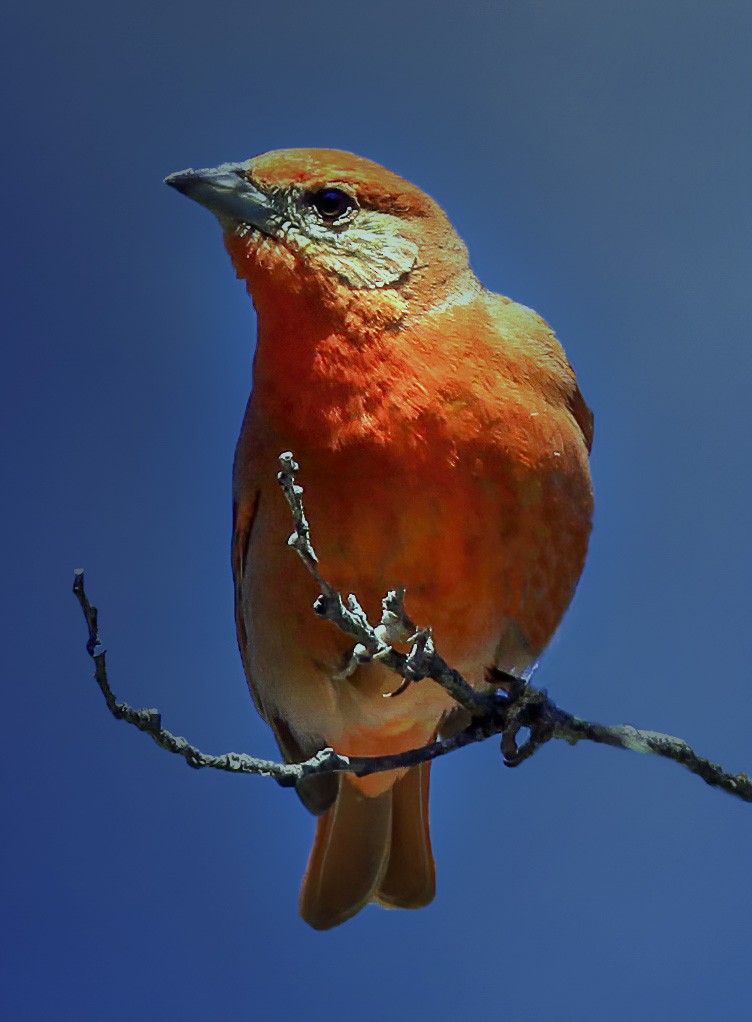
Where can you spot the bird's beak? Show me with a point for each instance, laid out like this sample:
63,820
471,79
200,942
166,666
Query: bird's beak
227,193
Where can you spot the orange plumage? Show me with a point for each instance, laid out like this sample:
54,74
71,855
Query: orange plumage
444,447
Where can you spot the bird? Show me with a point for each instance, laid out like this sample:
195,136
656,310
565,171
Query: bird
445,446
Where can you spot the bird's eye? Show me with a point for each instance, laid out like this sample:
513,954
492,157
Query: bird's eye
332,204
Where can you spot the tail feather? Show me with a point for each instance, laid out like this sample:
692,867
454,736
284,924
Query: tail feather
410,877
370,849
348,857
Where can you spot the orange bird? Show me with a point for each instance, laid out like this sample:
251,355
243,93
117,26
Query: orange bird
444,446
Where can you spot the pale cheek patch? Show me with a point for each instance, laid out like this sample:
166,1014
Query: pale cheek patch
363,259
369,253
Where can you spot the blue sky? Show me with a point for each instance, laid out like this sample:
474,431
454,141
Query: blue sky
596,158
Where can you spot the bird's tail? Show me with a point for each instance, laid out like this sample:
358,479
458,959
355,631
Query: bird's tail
371,848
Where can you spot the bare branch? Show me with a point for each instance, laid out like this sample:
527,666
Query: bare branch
510,706
624,736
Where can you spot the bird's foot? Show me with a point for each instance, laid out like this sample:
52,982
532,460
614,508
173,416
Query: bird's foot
528,724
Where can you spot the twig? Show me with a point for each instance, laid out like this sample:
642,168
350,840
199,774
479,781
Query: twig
510,706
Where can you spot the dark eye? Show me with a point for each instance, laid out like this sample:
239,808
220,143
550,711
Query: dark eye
332,203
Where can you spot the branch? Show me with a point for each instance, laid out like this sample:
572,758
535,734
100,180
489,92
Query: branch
510,707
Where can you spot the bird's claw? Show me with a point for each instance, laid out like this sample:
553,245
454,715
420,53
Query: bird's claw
403,687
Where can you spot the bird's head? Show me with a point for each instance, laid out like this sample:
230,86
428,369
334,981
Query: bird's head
364,243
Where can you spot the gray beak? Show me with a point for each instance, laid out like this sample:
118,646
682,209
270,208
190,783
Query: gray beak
226,193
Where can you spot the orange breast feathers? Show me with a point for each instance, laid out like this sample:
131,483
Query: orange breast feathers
443,445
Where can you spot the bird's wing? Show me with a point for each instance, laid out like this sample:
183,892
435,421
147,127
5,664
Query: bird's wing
316,793
243,517
582,416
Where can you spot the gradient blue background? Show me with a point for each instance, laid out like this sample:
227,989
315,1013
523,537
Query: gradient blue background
596,157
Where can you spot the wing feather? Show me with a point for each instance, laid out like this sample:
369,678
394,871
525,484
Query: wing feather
316,793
